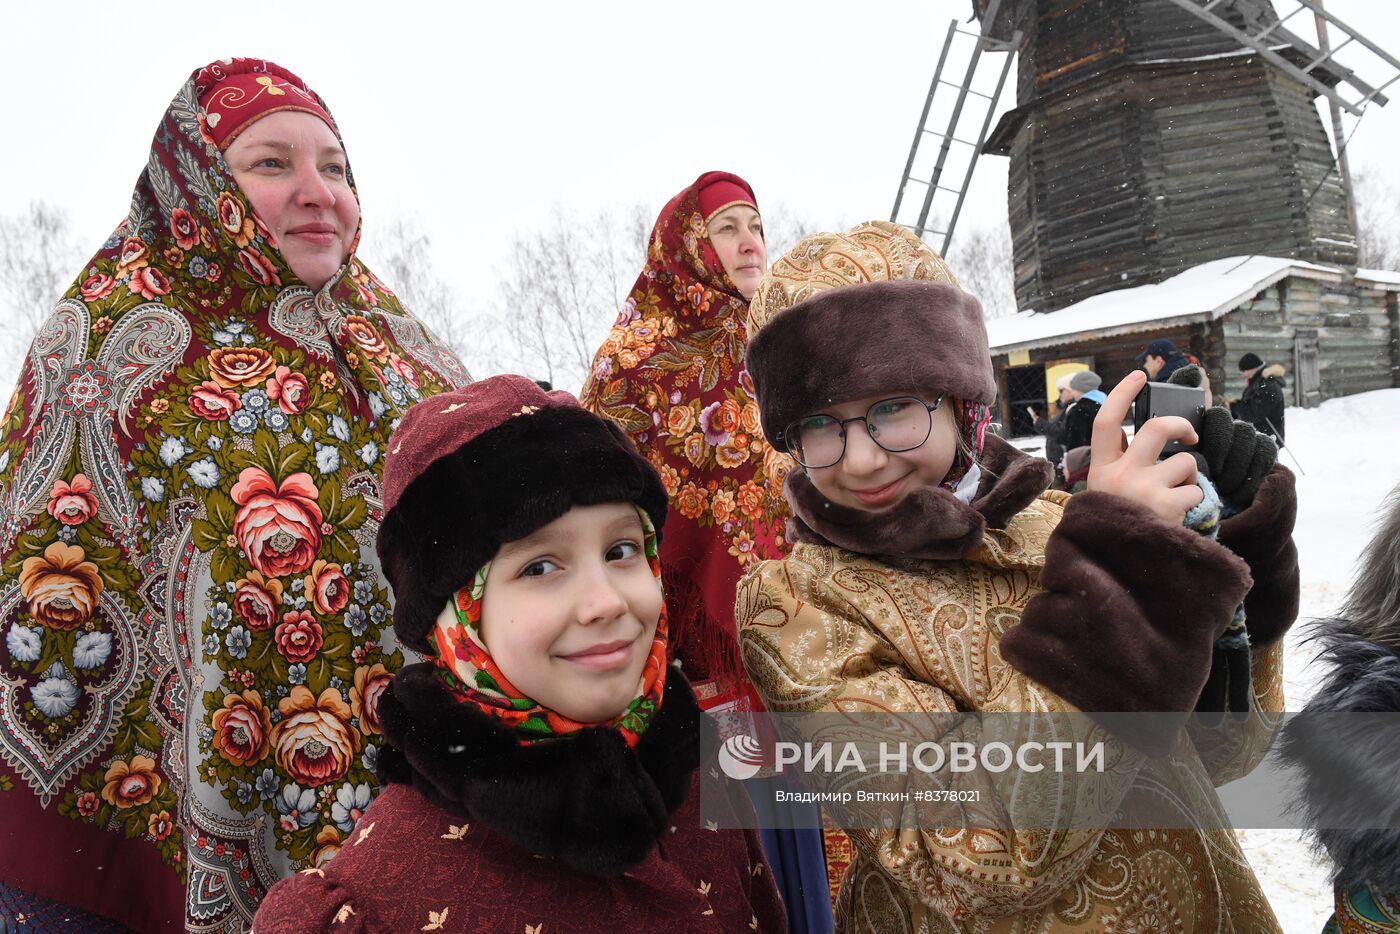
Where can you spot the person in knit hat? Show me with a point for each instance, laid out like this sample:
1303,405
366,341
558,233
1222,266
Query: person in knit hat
1079,419
541,765
1261,404
932,571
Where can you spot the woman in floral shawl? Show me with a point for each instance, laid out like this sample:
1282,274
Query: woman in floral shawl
671,373
196,626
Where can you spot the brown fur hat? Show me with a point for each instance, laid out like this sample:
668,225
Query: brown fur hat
844,316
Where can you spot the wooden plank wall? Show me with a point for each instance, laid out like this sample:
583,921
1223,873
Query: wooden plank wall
1126,169
1358,339
1355,335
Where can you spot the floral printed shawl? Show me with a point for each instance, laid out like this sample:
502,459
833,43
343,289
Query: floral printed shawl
197,631
671,374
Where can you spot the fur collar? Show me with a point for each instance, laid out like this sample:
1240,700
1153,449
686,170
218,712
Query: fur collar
1349,767
931,524
587,799
1273,371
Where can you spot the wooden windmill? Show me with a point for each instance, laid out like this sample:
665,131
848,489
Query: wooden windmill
1148,137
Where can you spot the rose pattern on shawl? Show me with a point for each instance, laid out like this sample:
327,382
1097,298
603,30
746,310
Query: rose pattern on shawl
211,401
279,526
61,587
299,637
72,502
256,599
370,684
328,587
313,743
238,367
241,728
289,390
133,783
174,339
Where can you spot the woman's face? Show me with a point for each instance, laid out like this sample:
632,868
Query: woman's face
570,611
736,233
870,478
291,167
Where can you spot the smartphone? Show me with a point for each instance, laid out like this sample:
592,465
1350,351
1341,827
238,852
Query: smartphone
1156,399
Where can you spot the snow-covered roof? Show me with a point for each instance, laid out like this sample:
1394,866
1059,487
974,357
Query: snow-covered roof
1201,293
1379,278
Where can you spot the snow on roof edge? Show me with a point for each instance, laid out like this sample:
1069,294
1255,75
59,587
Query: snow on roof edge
1384,278
1202,292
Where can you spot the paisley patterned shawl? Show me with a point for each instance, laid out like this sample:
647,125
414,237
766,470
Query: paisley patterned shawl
671,373
197,631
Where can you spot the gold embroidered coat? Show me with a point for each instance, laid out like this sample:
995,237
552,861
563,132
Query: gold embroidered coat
828,629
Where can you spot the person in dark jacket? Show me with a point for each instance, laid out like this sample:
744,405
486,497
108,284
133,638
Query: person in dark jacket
1347,763
1079,420
542,766
1261,404
1161,359
1053,428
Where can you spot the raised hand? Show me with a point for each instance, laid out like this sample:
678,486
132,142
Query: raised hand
1132,471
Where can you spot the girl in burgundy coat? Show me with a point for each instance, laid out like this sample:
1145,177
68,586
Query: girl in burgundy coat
542,765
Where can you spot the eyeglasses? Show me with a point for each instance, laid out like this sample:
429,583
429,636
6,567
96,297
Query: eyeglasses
898,424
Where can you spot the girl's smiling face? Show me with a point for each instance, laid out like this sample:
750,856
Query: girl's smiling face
569,612
872,479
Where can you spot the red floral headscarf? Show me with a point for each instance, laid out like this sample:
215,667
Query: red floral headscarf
189,486
671,374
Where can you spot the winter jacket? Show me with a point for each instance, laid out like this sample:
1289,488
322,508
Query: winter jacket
478,834
1079,422
1054,431
831,629
1261,403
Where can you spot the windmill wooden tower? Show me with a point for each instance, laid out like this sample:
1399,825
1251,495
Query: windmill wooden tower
1149,138
1153,135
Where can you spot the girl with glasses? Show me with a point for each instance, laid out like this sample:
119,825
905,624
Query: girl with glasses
932,571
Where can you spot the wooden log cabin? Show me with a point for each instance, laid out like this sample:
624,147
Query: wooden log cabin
1146,145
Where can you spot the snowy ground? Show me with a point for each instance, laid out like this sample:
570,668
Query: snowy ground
1350,454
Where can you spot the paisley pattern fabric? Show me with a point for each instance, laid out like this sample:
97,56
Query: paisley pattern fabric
671,373
464,664
828,629
1363,910
196,626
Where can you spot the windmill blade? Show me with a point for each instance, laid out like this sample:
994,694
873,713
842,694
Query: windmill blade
947,178
1347,90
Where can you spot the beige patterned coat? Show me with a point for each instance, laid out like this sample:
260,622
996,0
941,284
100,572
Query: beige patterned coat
828,629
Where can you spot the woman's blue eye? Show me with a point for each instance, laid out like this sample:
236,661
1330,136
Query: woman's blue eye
623,550
538,568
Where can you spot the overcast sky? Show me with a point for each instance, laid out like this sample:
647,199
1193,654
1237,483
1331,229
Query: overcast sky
475,121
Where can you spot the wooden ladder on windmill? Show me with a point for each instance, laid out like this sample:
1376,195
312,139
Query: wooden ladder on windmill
949,125
1310,63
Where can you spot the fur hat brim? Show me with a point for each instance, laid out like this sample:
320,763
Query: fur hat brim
861,340
499,487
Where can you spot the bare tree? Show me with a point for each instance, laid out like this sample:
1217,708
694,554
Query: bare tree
39,258
563,289
1377,233
401,255
981,259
